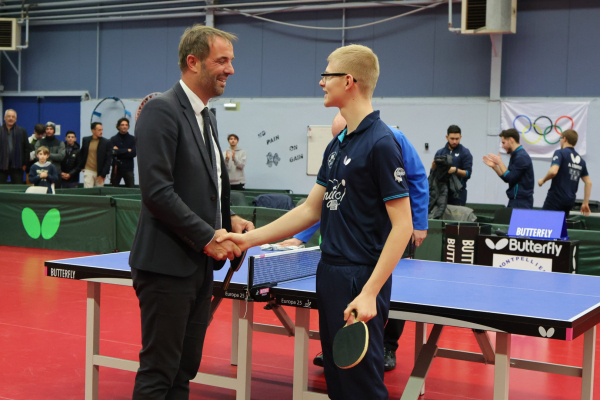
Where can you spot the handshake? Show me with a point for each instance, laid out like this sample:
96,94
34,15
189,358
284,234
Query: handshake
230,244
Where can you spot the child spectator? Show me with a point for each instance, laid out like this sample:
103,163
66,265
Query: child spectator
43,173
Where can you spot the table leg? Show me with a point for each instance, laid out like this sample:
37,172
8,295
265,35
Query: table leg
412,391
235,326
92,340
502,367
420,340
244,357
300,384
589,356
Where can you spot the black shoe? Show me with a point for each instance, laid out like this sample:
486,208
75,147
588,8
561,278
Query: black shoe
389,359
318,360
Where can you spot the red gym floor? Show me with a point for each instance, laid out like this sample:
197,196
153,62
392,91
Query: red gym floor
42,342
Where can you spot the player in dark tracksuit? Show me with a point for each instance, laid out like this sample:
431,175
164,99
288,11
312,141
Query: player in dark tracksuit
462,162
361,197
566,170
518,175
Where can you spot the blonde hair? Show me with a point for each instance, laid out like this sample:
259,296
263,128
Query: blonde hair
360,62
43,150
571,136
196,41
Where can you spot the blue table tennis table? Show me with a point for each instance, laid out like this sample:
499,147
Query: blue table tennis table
484,299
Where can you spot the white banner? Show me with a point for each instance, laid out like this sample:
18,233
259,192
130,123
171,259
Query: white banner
540,124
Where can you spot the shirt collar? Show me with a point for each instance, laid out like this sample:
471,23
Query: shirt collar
517,149
197,104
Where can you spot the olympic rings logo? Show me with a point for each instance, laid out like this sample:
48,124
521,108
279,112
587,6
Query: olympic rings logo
543,129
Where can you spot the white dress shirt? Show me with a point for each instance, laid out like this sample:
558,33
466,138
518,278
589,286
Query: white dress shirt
198,106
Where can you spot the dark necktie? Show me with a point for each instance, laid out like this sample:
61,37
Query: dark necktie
206,133
211,151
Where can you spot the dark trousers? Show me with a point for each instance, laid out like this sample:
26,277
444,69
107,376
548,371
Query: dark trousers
16,176
239,186
68,185
127,176
521,203
174,314
462,201
336,287
394,327
548,205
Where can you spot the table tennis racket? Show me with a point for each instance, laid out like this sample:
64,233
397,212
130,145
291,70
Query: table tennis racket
351,344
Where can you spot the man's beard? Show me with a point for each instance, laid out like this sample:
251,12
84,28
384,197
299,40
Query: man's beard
210,83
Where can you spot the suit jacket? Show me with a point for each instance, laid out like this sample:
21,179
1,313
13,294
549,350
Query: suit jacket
103,157
179,195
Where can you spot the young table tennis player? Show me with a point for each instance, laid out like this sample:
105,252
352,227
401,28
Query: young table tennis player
361,197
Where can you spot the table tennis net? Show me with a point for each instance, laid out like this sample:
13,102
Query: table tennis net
270,269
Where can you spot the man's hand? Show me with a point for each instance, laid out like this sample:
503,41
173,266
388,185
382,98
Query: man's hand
290,242
365,306
64,175
495,158
241,240
24,167
489,162
115,148
129,150
223,250
100,180
585,209
433,165
540,182
418,236
239,225
44,175
452,170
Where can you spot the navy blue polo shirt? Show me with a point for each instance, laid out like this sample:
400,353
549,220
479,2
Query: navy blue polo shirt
519,175
564,186
461,159
360,171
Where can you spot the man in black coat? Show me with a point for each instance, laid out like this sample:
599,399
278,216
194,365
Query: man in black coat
185,206
95,157
14,149
124,151
70,164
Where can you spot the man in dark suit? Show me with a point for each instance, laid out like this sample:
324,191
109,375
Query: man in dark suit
14,149
95,157
185,208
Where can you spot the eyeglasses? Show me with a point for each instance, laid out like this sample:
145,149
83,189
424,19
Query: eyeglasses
325,76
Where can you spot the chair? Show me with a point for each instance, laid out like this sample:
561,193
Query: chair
274,200
237,199
37,189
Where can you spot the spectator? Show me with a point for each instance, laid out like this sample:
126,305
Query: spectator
39,132
235,159
462,163
55,146
95,157
70,165
14,149
43,173
123,151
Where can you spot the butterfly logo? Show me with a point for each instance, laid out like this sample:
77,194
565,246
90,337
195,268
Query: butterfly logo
546,333
502,243
576,159
47,229
347,160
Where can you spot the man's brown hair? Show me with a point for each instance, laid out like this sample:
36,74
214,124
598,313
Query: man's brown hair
510,133
196,41
571,136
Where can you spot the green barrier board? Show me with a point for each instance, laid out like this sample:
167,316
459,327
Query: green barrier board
431,248
57,222
127,216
